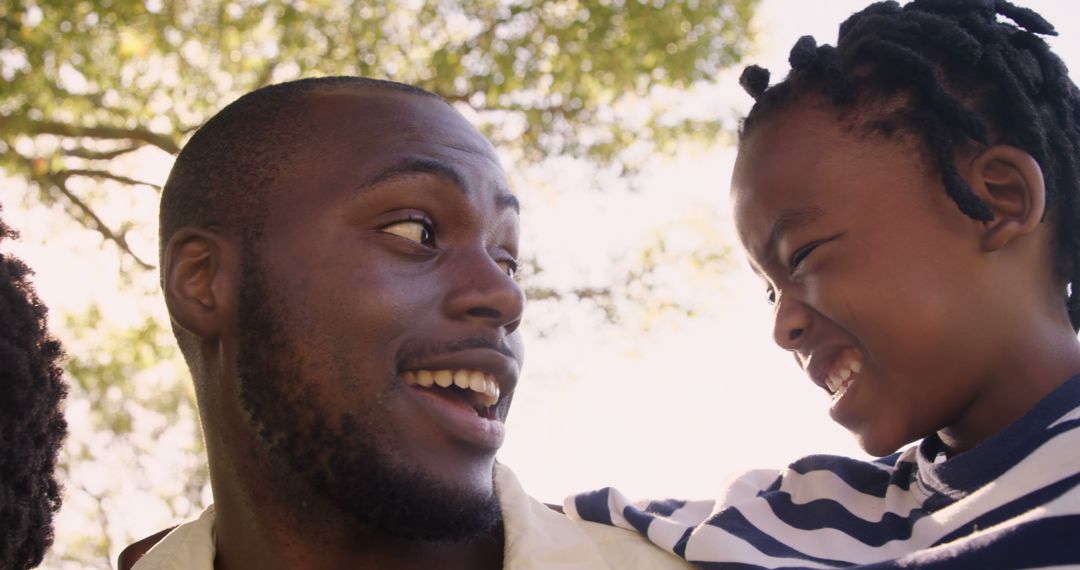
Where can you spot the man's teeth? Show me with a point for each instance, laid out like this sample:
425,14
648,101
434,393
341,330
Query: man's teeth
482,384
842,376
444,378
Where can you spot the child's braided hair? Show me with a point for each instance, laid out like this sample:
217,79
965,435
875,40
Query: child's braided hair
953,75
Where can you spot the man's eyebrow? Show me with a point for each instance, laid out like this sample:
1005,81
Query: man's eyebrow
419,165
416,165
787,221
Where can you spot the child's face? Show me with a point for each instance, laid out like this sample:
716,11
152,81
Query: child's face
874,272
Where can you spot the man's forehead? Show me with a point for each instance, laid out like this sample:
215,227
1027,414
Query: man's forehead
359,138
379,107
379,118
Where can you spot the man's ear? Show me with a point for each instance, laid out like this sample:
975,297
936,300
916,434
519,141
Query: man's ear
198,281
1010,181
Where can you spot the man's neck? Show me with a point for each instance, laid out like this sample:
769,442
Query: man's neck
246,538
267,522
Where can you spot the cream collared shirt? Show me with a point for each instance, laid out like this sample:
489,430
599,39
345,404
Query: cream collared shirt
536,538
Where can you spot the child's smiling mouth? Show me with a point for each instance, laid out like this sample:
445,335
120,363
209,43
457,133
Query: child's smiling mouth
843,374
835,372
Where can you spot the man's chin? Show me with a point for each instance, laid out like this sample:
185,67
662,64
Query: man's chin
471,476
413,504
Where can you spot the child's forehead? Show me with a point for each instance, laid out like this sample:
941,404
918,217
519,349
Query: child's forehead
806,127
814,126
811,151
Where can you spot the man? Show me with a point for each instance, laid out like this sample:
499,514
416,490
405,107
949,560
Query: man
338,258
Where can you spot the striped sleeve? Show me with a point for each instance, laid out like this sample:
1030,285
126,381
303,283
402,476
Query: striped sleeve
1013,501
834,512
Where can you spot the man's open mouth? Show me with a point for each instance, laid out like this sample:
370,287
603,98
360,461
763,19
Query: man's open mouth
473,387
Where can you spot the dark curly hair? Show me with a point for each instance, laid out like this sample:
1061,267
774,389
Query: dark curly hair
32,425
952,76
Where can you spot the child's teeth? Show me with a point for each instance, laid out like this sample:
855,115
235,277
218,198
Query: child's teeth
843,374
840,391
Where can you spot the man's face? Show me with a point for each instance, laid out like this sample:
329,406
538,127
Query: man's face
881,288
385,266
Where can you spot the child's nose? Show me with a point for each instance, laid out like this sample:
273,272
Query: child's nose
792,319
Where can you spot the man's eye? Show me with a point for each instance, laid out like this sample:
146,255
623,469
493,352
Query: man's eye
770,296
509,267
414,230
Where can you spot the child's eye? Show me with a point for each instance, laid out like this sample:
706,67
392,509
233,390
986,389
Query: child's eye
801,254
419,231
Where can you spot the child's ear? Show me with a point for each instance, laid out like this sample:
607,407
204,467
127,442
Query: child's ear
1010,181
198,280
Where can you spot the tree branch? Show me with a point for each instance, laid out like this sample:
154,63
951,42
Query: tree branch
104,547
91,220
17,124
104,174
602,297
88,154
582,293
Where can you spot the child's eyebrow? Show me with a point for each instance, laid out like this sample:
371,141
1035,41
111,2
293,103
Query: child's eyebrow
788,220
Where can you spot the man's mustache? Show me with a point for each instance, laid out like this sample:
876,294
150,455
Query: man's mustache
425,351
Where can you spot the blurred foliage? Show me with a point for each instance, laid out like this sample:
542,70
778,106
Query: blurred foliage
87,81
662,270
134,446
89,87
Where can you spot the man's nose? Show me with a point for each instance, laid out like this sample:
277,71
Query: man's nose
791,324
483,291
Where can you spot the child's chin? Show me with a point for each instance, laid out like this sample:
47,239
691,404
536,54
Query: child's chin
878,446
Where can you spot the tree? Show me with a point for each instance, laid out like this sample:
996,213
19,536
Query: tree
91,90
87,82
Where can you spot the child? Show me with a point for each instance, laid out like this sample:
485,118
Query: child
911,200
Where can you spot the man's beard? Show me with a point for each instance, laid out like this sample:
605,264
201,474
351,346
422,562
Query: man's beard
347,460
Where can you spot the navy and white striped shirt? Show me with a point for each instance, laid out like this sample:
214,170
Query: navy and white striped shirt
1011,502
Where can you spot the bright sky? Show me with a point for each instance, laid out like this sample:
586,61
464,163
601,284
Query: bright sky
667,413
